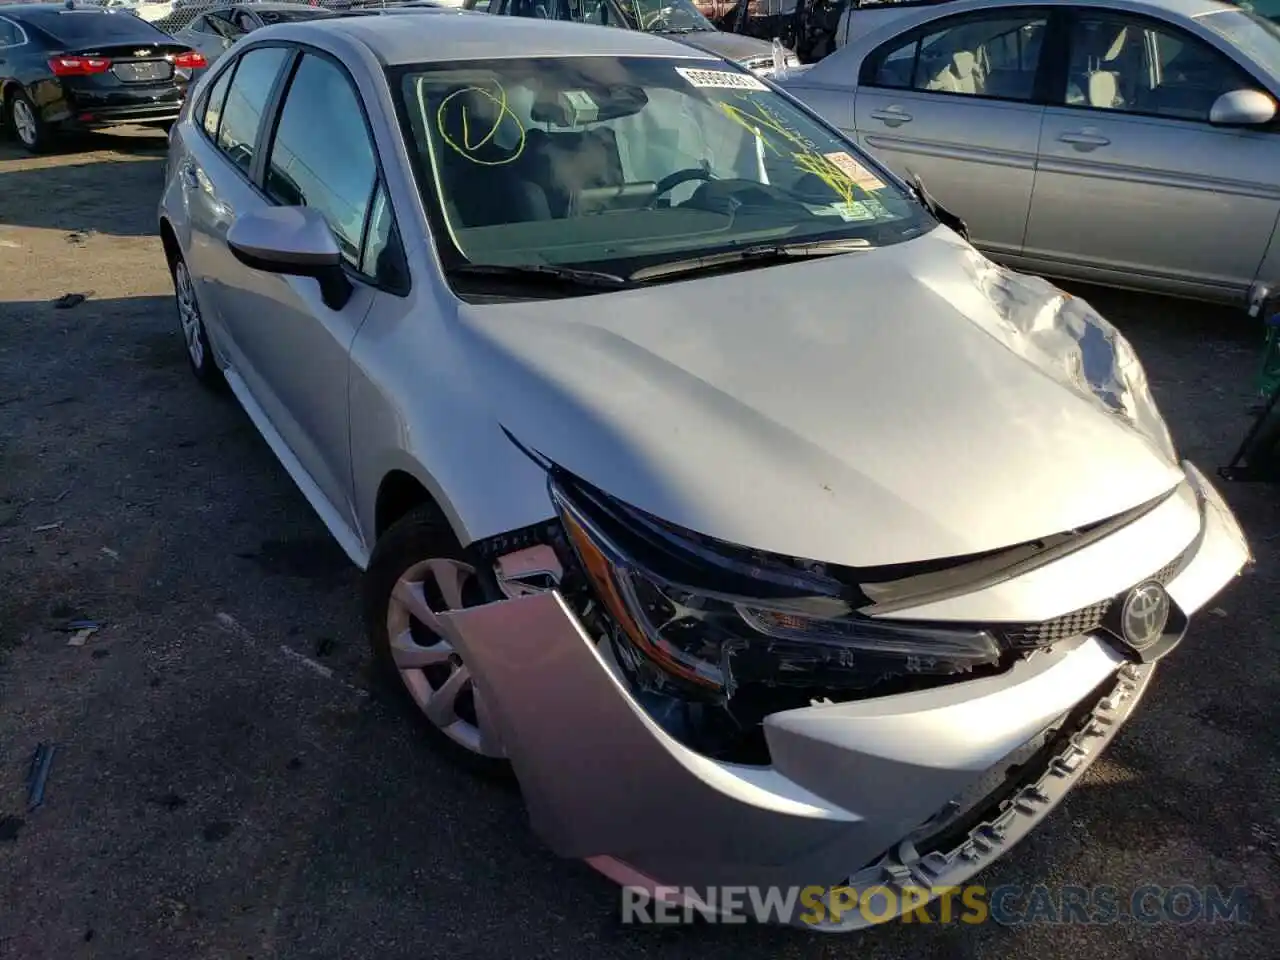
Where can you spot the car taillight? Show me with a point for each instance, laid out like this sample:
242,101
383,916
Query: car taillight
190,60
78,66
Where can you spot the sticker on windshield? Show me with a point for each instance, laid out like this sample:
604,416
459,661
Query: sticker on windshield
853,211
721,79
856,172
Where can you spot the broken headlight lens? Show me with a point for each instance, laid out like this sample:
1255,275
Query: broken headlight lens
706,617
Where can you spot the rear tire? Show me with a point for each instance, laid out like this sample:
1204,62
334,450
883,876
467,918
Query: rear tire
418,540
191,323
23,119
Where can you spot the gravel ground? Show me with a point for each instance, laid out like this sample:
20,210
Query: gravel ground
215,796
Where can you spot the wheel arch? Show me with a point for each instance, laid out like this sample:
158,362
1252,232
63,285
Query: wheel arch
169,240
399,492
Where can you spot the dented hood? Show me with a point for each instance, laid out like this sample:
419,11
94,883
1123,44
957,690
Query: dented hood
907,403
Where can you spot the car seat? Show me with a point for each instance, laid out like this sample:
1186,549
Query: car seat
1097,65
572,167
963,73
484,180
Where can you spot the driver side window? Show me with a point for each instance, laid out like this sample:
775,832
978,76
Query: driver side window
1134,66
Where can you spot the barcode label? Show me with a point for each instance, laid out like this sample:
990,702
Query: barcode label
720,79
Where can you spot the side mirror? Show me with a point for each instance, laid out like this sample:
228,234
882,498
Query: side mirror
1242,108
295,241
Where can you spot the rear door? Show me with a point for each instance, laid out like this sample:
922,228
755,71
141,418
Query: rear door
1134,182
216,174
959,101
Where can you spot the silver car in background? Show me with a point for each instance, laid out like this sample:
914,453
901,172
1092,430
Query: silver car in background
765,529
1132,143
678,19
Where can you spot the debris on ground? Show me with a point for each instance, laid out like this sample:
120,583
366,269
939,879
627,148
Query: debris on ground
38,774
62,496
71,626
107,551
10,827
81,636
46,527
69,300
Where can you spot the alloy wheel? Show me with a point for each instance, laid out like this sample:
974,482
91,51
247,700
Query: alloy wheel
189,314
24,122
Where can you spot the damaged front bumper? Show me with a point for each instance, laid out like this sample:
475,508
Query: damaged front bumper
919,789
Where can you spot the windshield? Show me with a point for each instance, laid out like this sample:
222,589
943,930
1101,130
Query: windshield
620,163
664,16
1257,37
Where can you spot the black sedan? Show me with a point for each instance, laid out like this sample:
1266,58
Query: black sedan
80,67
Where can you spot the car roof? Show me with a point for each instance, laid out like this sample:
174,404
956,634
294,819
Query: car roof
58,8
1184,8
464,38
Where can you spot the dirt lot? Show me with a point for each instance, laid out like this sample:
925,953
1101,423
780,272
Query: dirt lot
216,795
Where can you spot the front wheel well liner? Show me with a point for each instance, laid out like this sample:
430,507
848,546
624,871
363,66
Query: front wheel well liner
398,493
169,240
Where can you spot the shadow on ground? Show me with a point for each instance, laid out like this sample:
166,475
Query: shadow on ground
83,194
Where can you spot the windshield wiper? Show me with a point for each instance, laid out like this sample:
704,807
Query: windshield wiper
765,253
543,275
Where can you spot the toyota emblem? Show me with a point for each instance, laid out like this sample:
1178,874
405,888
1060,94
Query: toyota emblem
1145,615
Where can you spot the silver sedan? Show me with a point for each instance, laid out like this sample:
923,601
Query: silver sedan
1132,143
768,531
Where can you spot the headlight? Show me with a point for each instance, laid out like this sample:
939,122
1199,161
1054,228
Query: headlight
1068,339
708,617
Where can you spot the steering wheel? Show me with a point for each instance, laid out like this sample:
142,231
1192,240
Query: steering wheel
659,18
673,180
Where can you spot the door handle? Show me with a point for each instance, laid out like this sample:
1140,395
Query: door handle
1084,139
891,116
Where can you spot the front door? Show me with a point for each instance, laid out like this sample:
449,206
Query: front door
295,347
1135,185
953,101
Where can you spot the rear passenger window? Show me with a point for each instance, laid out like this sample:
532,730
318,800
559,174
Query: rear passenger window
322,157
996,55
255,75
10,35
213,103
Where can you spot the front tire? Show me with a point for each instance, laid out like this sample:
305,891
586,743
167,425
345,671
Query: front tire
416,571
191,323
24,120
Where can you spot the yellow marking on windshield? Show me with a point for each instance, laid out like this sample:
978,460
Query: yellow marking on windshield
758,120
474,132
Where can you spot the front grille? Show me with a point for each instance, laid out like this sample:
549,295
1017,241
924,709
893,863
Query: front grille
1085,620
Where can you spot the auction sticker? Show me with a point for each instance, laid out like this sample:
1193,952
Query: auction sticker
854,211
721,80
856,172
